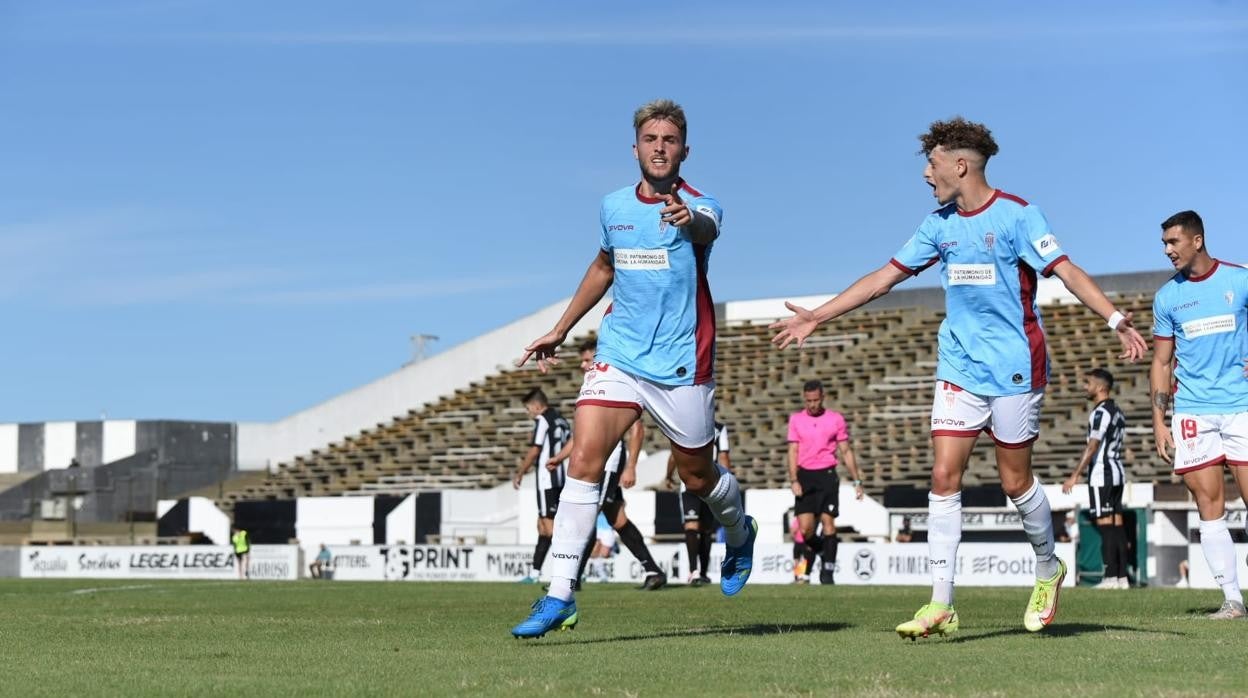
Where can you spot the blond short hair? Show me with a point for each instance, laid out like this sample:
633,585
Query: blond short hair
663,110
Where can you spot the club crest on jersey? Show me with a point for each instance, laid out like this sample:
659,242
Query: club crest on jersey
1230,297
989,240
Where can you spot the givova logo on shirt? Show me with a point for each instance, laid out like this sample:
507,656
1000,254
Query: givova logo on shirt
641,259
972,274
1216,324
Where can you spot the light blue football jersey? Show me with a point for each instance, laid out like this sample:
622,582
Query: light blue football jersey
661,323
991,341
1206,318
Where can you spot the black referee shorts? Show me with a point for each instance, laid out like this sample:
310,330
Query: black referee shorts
1104,501
821,492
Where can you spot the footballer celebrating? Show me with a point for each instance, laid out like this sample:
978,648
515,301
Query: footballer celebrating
992,363
656,352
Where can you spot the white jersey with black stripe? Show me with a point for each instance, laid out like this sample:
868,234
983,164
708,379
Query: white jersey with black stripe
1106,425
550,434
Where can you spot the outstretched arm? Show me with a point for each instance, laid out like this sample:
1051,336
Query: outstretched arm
593,287
1085,289
861,292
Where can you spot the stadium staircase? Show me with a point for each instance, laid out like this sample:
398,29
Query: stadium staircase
877,367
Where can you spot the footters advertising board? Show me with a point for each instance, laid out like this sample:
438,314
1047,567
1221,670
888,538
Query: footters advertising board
157,562
978,564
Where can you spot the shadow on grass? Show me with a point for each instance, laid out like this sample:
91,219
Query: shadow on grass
756,630
1062,630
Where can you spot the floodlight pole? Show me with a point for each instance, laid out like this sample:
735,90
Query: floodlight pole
420,343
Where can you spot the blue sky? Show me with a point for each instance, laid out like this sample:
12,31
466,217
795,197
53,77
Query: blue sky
234,210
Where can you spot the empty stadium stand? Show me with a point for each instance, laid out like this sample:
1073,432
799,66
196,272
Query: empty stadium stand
877,365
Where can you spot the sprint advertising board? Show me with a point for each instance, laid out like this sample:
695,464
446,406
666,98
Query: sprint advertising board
978,564
270,562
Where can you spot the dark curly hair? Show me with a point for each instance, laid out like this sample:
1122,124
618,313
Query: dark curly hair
958,133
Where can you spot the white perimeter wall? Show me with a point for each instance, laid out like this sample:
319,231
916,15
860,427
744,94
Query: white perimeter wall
333,520
60,444
261,444
401,522
119,439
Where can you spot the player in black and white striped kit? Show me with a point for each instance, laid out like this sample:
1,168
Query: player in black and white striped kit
620,473
698,523
1106,476
550,433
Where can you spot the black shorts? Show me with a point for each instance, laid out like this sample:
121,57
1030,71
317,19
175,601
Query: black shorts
694,509
240,555
612,493
548,502
1104,501
821,492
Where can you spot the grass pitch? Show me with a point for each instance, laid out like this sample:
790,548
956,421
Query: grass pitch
343,638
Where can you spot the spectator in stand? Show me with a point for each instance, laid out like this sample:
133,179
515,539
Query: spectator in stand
906,534
321,564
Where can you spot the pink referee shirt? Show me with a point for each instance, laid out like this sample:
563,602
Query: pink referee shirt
817,438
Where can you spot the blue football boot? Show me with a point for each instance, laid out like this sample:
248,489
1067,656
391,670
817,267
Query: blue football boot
738,562
548,614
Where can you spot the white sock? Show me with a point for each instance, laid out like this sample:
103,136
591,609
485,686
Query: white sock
574,524
944,532
1033,506
725,503
1215,542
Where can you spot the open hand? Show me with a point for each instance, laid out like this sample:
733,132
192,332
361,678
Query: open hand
1133,345
543,349
794,329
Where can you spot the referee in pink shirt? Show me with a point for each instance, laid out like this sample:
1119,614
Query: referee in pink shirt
818,441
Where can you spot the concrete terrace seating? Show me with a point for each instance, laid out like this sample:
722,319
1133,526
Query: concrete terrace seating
877,367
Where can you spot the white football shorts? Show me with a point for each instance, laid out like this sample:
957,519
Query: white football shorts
1204,440
1013,421
685,413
